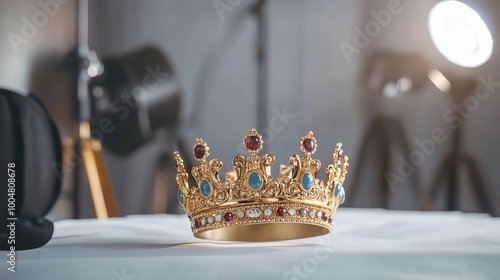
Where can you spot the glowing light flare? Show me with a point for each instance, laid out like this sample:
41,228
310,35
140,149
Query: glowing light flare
460,34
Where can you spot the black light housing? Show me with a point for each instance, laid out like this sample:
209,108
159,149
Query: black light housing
136,95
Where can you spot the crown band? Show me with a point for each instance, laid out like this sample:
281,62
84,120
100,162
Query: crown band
251,205
263,222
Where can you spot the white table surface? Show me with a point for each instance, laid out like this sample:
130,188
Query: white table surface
365,244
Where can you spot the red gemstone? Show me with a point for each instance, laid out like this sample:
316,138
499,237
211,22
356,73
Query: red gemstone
330,220
346,166
281,212
325,217
228,216
176,166
252,142
308,145
199,151
339,155
196,224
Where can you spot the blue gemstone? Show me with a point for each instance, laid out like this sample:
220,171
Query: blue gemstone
307,181
205,188
255,181
337,190
180,197
342,196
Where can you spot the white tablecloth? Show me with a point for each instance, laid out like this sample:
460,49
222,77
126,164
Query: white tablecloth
365,244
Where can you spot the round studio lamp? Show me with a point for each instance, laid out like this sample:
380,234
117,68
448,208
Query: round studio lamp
460,34
136,95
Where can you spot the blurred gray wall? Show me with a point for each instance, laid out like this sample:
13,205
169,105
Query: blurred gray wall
28,29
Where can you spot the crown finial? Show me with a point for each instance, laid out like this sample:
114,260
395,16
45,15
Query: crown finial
338,153
308,144
200,150
252,142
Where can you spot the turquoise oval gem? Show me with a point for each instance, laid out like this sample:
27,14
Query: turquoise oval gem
205,188
180,197
255,181
307,181
337,190
342,196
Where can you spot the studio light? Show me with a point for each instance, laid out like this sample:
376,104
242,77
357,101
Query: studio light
460,34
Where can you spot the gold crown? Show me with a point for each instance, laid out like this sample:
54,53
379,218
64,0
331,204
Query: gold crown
251,205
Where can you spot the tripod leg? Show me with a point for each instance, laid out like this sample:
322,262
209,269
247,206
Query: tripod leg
479,187
361,160
384,156
399,136
161,194
101,191
440,176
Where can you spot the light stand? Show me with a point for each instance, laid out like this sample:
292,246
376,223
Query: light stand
101,191
258,10
385,133
460,34
449,171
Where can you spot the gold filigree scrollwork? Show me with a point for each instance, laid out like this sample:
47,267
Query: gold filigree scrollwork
316,165
343,170
241,193
330,176
221,195
323,197
239,163
196,172
201,202
293,190
190,206
215,166
271,190
182,180
267,161
296,165
313,193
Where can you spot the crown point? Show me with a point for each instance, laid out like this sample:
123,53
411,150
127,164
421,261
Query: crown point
199,151
252,143
340,154
308,143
